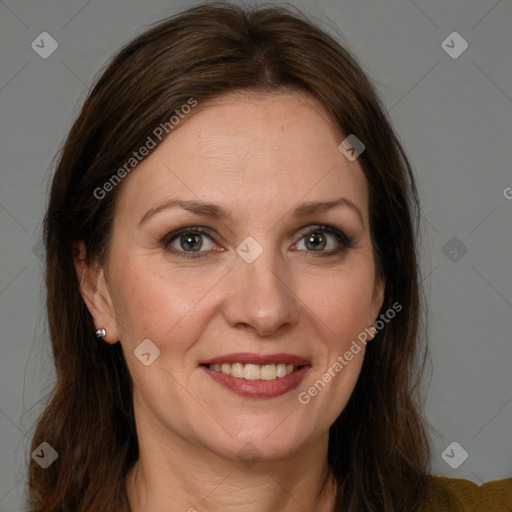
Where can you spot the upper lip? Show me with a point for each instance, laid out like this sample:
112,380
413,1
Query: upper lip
261,359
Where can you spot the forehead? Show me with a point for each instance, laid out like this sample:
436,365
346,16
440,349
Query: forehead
247,150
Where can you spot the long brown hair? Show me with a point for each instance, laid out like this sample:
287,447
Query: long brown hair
378,448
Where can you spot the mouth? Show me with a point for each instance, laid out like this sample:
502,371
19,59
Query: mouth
257,376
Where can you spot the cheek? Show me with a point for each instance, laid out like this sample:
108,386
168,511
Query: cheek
340,301
160,303
330,388
339,304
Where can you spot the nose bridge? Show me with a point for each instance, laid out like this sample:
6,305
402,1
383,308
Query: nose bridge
261,297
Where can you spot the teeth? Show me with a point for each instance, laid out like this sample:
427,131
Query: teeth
237,370
254,371
269,372
282,370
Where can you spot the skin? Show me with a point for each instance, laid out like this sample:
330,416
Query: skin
259,156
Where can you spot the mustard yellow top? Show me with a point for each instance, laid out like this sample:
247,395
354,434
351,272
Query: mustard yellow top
459,495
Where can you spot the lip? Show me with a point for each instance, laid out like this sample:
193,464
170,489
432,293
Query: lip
261,359
259,388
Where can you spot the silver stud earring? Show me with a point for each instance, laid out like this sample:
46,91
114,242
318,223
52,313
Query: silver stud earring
100,333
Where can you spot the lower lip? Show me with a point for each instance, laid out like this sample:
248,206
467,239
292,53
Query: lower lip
259,388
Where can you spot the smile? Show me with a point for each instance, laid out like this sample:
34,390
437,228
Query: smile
256,375
255,371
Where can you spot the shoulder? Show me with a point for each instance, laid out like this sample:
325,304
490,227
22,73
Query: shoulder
459,495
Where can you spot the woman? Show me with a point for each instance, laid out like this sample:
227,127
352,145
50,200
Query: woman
233,291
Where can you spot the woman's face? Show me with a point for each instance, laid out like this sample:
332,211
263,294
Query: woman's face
264,283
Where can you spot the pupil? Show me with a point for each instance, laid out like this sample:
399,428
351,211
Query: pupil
191,242
317,241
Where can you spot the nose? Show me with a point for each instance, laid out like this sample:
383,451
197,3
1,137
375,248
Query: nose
261,297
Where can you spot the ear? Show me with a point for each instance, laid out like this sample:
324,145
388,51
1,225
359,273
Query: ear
95,292
379,289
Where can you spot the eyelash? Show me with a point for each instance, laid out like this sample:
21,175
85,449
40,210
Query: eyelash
345,241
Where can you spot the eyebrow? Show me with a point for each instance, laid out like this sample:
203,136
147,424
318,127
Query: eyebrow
218,212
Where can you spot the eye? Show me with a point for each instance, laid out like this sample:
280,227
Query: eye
187,241
197,242
324,240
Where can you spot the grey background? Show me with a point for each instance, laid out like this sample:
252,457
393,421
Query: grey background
453,116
